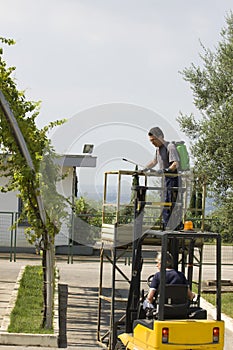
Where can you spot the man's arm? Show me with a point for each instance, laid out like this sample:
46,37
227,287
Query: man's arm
150,295
191,295
151,164
173,157
174,166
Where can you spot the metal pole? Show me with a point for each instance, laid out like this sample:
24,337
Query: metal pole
118,199
163,277
104,196
15,237
218,277
12,233
100,293
200,272
71,240
190,261
203,208
132,162
112,315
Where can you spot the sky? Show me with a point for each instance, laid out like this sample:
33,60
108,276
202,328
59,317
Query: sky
111,67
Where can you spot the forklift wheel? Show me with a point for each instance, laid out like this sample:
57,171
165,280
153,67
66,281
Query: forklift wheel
119,346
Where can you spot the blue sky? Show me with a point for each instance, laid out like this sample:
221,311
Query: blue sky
77,55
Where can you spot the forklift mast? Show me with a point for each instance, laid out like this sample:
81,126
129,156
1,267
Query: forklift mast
137,239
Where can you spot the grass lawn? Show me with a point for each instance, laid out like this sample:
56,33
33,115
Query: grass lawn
227,302
27,315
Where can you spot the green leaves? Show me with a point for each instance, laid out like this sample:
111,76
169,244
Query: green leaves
30,184
212,132
7,41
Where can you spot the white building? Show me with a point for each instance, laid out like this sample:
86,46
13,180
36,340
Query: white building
10,204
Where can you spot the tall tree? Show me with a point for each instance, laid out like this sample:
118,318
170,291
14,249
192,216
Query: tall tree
211,133
32,181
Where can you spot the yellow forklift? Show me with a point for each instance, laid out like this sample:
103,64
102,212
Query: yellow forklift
176,323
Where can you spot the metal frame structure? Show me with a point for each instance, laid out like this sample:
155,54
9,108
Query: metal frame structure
174,242
122,242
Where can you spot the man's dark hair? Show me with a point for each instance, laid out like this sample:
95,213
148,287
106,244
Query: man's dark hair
156,131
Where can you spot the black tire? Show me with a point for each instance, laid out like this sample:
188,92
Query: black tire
119,346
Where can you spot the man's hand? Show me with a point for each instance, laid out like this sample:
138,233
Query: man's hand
167,171
147,305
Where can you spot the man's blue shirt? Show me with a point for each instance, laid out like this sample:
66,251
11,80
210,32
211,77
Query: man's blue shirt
172,277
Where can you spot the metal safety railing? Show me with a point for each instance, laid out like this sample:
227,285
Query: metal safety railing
8,233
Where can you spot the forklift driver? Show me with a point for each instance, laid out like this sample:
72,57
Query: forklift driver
172,277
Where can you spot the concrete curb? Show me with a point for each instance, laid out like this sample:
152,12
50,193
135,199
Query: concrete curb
28,339
212,312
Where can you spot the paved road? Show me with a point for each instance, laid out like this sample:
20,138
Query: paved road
82,278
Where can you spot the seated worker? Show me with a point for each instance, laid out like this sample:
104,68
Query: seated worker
172,277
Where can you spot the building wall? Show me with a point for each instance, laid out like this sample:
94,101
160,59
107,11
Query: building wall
9,200
9,210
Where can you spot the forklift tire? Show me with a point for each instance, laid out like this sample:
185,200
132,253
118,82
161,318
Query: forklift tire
119,346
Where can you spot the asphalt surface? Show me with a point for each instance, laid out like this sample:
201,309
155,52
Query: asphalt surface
82,278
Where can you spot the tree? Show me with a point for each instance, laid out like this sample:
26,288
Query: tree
87,221
211,133
34,177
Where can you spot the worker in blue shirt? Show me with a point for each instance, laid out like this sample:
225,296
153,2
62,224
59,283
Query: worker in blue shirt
172,277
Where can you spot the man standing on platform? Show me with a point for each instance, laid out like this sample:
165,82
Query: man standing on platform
167,158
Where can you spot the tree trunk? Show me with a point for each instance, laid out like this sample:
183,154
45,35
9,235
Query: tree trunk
50,285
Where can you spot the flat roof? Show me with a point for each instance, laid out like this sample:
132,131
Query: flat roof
77,160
